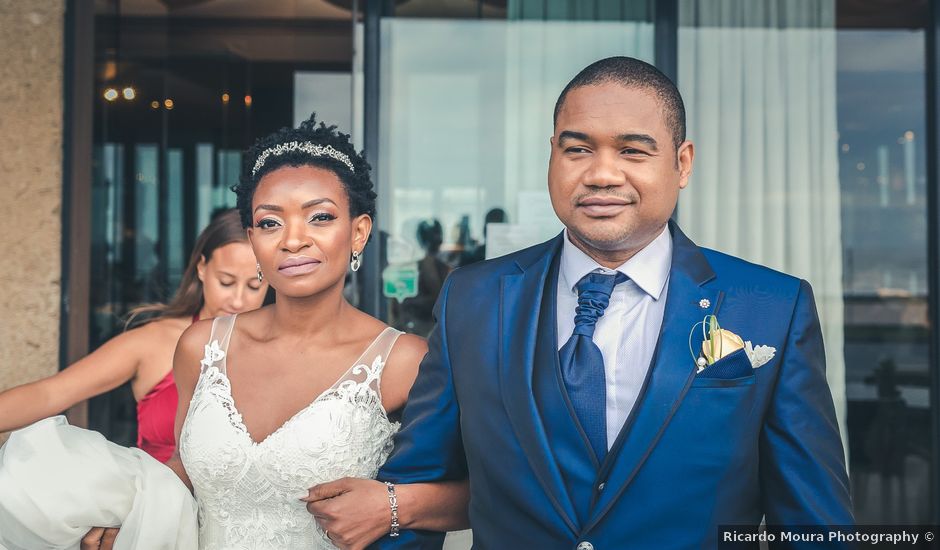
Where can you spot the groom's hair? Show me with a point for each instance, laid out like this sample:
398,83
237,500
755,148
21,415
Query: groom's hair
633,73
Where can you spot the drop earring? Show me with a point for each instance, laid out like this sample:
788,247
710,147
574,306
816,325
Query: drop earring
260,275
356,262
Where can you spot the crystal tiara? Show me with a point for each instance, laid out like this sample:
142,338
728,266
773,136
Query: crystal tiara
306,147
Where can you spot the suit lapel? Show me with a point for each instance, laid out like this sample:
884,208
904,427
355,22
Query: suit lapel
671,372
520,302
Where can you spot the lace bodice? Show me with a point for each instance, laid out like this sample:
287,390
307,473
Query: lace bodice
247,491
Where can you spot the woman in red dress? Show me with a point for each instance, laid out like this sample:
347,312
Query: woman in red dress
220,279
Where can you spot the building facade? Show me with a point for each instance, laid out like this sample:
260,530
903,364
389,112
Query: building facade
815,126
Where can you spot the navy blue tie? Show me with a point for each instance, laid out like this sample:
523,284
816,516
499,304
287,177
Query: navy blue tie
582,364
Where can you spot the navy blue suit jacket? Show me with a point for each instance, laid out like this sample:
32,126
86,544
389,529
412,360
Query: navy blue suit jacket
697,451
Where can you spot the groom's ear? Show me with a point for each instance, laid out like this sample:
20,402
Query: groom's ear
684,157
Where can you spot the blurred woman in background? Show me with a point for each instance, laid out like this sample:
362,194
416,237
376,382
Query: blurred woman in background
220,279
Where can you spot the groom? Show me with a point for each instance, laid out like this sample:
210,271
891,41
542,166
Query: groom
566,380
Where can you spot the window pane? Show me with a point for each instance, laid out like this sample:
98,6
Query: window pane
808,124
465,121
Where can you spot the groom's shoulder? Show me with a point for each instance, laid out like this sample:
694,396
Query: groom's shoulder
732,270
488,272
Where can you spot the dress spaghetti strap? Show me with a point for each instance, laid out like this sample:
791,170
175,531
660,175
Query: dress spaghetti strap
367,370
219,338
381,347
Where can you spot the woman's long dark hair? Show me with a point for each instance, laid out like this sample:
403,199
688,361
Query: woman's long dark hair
225,228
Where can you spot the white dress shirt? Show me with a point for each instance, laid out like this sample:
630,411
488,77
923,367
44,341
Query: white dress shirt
627,332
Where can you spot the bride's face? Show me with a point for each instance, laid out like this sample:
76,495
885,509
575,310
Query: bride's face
302,231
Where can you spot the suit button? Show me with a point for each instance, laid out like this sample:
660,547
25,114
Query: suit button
585,546
601,487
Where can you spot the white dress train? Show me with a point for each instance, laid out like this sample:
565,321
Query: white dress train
57,481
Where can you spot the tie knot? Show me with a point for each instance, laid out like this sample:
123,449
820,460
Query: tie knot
594,291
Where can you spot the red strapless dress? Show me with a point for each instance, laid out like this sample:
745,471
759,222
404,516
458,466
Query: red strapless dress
156,413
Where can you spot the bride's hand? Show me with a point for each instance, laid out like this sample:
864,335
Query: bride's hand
353,512
100,538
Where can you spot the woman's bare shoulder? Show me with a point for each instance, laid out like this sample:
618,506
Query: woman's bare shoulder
189,351
168,325
407,346
409,349
253,325
401,369
195,336
160,333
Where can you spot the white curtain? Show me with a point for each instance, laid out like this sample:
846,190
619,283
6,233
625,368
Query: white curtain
759,84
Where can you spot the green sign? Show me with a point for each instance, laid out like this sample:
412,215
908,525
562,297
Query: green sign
400,281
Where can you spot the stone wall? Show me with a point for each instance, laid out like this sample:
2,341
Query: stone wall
31,129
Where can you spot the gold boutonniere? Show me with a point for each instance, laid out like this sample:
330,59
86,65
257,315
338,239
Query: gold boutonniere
718,343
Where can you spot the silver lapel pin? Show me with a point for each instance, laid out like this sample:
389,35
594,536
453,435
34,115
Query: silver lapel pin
704,303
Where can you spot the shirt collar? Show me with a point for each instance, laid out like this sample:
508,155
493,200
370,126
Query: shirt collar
648,268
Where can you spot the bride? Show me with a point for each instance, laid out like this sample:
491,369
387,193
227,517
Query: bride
298,393
295,394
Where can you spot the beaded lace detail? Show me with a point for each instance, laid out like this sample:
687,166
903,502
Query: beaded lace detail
246,490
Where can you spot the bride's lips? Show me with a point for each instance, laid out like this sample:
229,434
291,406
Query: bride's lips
603,207
300,265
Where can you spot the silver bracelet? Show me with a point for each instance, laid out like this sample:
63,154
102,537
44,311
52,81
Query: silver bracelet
393,503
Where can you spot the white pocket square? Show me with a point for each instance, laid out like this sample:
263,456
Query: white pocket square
759,355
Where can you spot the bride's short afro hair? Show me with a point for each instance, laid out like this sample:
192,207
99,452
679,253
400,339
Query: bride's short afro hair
357,181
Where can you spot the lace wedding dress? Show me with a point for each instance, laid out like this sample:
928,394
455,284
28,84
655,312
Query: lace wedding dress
247,491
